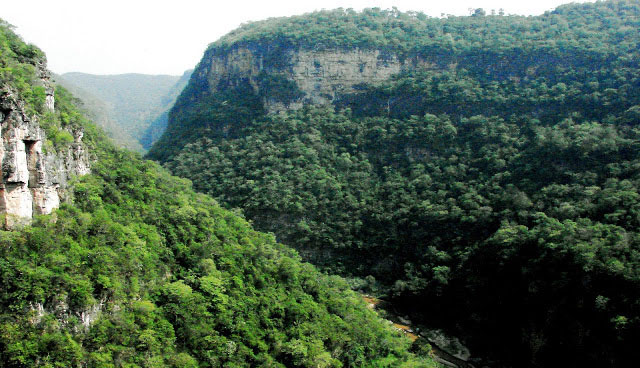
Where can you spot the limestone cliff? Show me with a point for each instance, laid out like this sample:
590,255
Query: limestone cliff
319,76
33,179
235,84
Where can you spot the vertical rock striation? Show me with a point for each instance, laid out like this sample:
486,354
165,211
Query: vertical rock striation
320,76
32,179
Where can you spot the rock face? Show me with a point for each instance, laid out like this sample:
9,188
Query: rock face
44,77
32,180
320,76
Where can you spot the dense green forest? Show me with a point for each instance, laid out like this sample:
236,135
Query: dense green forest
494,194
131,108
138,270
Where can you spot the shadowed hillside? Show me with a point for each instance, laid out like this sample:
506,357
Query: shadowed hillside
135,269
481,172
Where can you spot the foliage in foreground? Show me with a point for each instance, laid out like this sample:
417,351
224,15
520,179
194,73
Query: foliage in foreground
140,271
168,278
494,193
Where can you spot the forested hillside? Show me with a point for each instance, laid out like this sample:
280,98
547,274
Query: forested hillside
131,108
490,188
137,270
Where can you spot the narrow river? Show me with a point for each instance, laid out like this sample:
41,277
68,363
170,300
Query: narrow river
438,354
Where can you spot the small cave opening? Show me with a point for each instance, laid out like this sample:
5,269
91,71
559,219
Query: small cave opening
4,114
32,158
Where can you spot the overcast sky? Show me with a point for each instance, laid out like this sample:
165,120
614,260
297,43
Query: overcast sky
168,37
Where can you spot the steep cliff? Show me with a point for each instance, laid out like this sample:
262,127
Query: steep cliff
481,171
299,76
261,83
33,177
139,270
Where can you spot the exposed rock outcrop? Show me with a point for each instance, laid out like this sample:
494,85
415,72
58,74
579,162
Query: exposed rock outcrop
33,180
319,75
44,76
59,309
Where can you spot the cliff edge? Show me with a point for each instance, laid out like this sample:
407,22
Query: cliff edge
33,177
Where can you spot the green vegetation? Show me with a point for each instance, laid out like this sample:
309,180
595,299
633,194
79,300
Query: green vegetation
18,62
138,270
21,66
177,281
493,193
60,124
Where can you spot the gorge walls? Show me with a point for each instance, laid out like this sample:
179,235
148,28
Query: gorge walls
318,77
33,178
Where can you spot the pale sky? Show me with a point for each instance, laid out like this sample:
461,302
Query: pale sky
168,37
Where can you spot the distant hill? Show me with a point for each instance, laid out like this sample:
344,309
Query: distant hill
127,105
100,112
157,126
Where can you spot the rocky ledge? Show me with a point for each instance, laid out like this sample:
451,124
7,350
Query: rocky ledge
32,180
320,76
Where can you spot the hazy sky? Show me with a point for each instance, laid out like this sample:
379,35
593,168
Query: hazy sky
168,37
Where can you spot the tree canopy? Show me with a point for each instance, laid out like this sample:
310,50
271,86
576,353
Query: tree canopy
495,194
138,270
